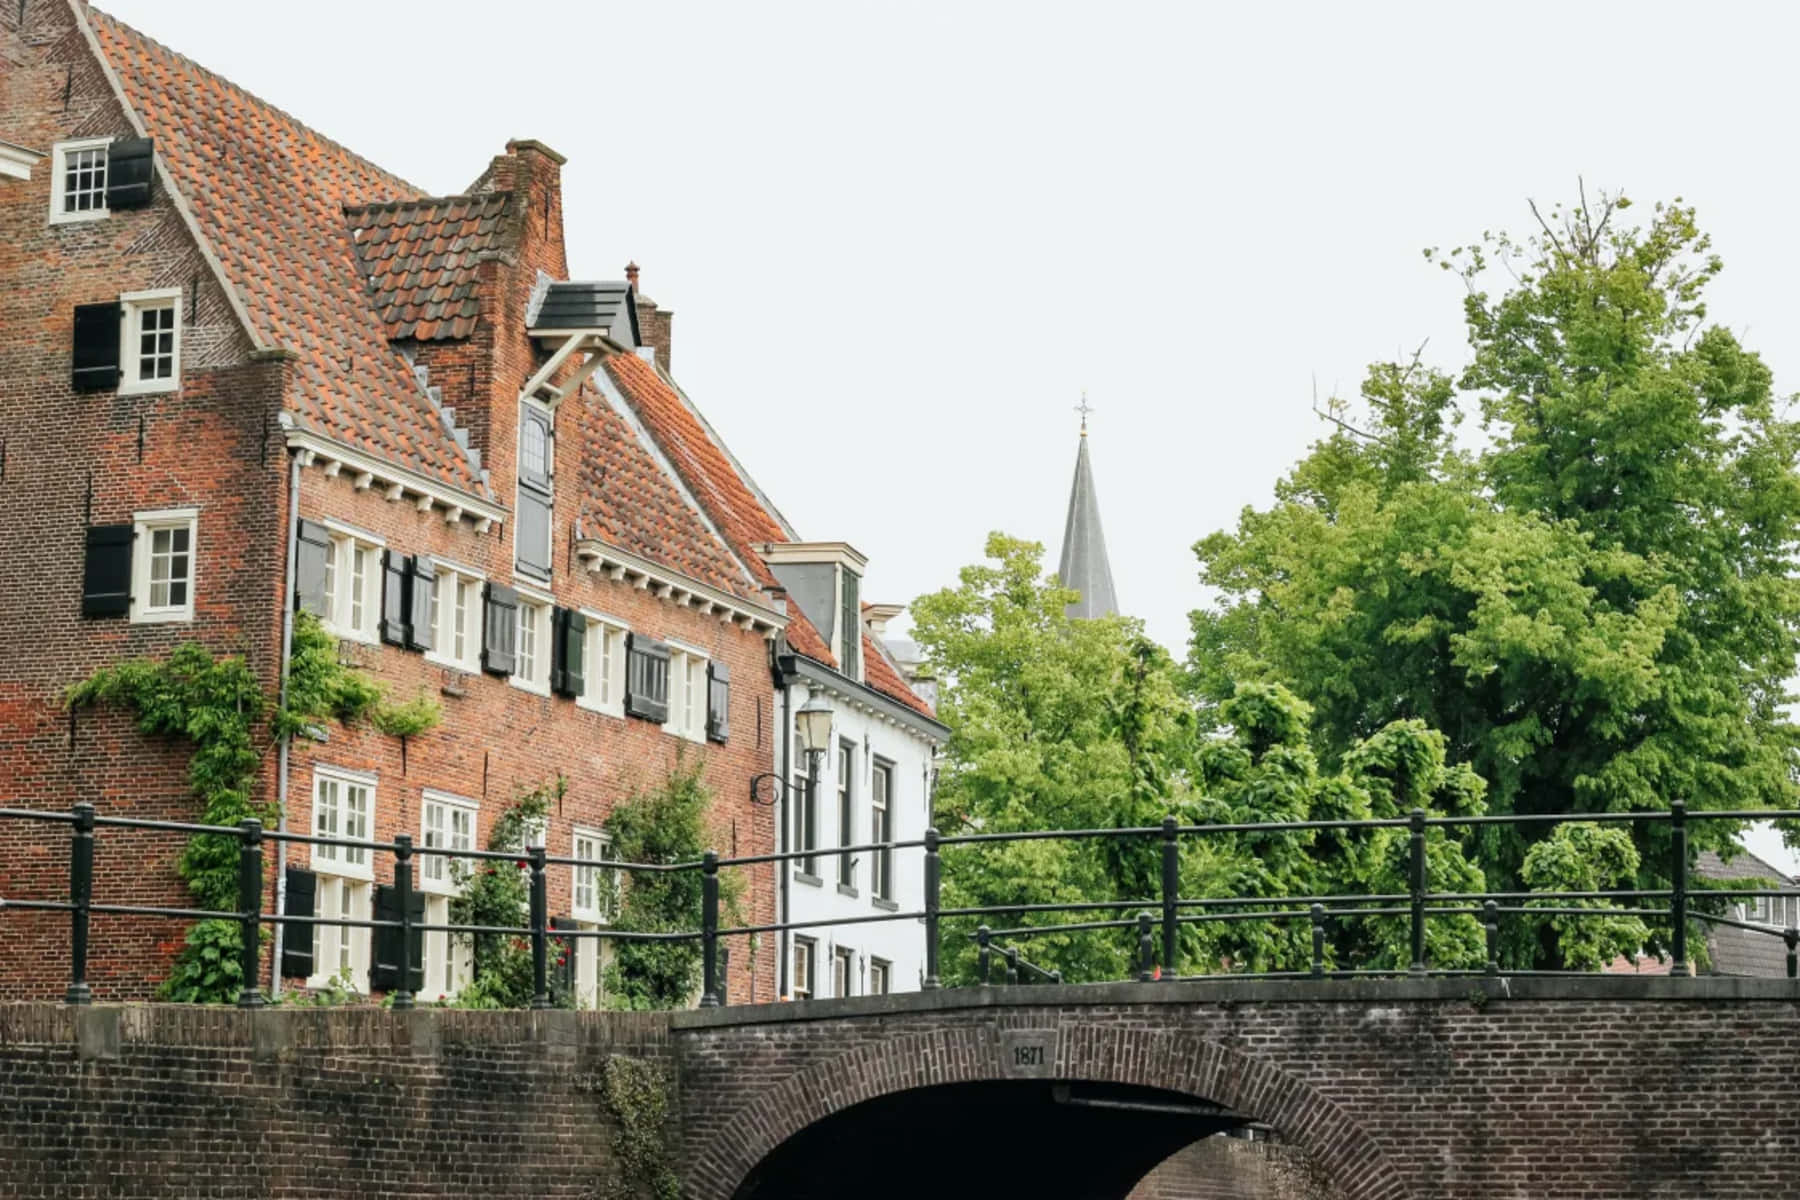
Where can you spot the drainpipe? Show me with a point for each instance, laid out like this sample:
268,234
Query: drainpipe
281,750
784,750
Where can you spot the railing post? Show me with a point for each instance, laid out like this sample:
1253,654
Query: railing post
403,892
1792,937
1171,886
1012,964
709,929
1318,932
1678,901
1417,888
81,896
933,878
983,953
1490,921
250,889
1146,948
540,933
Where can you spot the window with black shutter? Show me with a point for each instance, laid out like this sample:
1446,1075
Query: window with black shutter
718,701
302,900
394,628
646,678
499,629
567,665
851,638
312,550
421,590
387,949
106,574
96,351
129,163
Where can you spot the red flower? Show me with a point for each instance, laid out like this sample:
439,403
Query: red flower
562,960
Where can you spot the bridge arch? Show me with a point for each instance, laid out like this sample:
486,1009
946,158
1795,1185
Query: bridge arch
1171,1060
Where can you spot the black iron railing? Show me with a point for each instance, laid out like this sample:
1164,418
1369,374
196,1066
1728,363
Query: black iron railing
1164,914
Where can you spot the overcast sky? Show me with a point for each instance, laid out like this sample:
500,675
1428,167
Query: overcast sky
901,239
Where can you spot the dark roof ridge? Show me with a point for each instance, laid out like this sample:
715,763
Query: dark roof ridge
404,185
428,201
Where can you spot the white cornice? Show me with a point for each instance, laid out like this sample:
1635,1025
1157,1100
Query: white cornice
677,588
813,553
398,481
16,161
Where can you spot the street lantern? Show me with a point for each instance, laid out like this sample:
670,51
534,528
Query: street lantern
813,723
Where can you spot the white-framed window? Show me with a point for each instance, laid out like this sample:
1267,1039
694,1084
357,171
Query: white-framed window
881,976
604,672
150,342
687,693
353,584
881,829
449,958
596,889
590,966
162,565
805,950
341,952
531,659
78,180
843,971
343,805
445,823
456,610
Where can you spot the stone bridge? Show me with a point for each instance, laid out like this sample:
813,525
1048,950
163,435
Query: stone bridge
1509,1088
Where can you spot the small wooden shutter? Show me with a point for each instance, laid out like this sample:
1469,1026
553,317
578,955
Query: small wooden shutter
106,575
394,628
531,532
563,973
421,591
499,629
311,547
718,701
129,171
385,948
567,668
96,351
646,678
297,936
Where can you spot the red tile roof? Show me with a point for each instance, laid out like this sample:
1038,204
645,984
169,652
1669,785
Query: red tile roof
421,256
269,196
721,489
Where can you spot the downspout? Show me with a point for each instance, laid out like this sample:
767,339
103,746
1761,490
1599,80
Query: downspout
281,749
784,749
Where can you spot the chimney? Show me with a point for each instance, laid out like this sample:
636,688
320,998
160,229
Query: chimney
653,322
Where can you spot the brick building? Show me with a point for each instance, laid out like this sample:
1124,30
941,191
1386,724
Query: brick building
244,371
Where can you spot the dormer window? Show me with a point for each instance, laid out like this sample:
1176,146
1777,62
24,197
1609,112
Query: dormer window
825,580
850,625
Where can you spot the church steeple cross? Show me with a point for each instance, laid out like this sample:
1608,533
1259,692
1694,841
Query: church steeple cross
1084,408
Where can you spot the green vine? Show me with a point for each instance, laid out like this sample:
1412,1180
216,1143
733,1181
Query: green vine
498,894
215,704
637,1095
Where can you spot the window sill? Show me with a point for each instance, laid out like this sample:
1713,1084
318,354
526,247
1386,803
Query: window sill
77,218
164,616
152,388
345,635
684,735
600,710
450,664
359,873
848,889
536,689
884,904
808,880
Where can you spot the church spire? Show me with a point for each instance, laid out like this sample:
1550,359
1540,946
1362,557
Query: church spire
1084,564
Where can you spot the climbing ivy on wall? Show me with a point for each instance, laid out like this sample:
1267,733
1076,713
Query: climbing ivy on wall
215,704
498,894
637,1094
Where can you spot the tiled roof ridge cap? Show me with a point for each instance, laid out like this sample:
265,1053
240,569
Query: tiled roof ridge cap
329,143
430,201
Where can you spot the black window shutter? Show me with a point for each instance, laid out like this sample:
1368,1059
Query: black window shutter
311,548
565,971
499,629
646,678
385,948
421,591
566,668
106,575
297,936
96,353
394,629
718,701
129,172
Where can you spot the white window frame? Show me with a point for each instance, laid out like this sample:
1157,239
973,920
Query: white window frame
843,957
59,157
806,950
687,692
342,951
443,609
135,305
145,525
885,969
590,967
601,883
881,800
534,676
451,808
352,862
345,541
603,689
449,958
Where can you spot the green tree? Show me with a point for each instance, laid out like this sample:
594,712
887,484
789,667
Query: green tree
1595,606
498,895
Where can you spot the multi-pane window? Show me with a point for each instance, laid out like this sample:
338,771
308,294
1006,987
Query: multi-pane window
687,694
596,895
163,566
846,767
446,823
604,671
881,973
806,810
531,662
456,612
78,184
881,783
150,341
342,804
804,949
352,602
341,952
843,971
449,958
537,480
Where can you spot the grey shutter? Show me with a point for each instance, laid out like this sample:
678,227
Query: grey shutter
567,667
646,678
421,591
106,574
311,547
531,532
499,629
394,628
718,701
129,171
562,986
297,936
851,640
96,351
